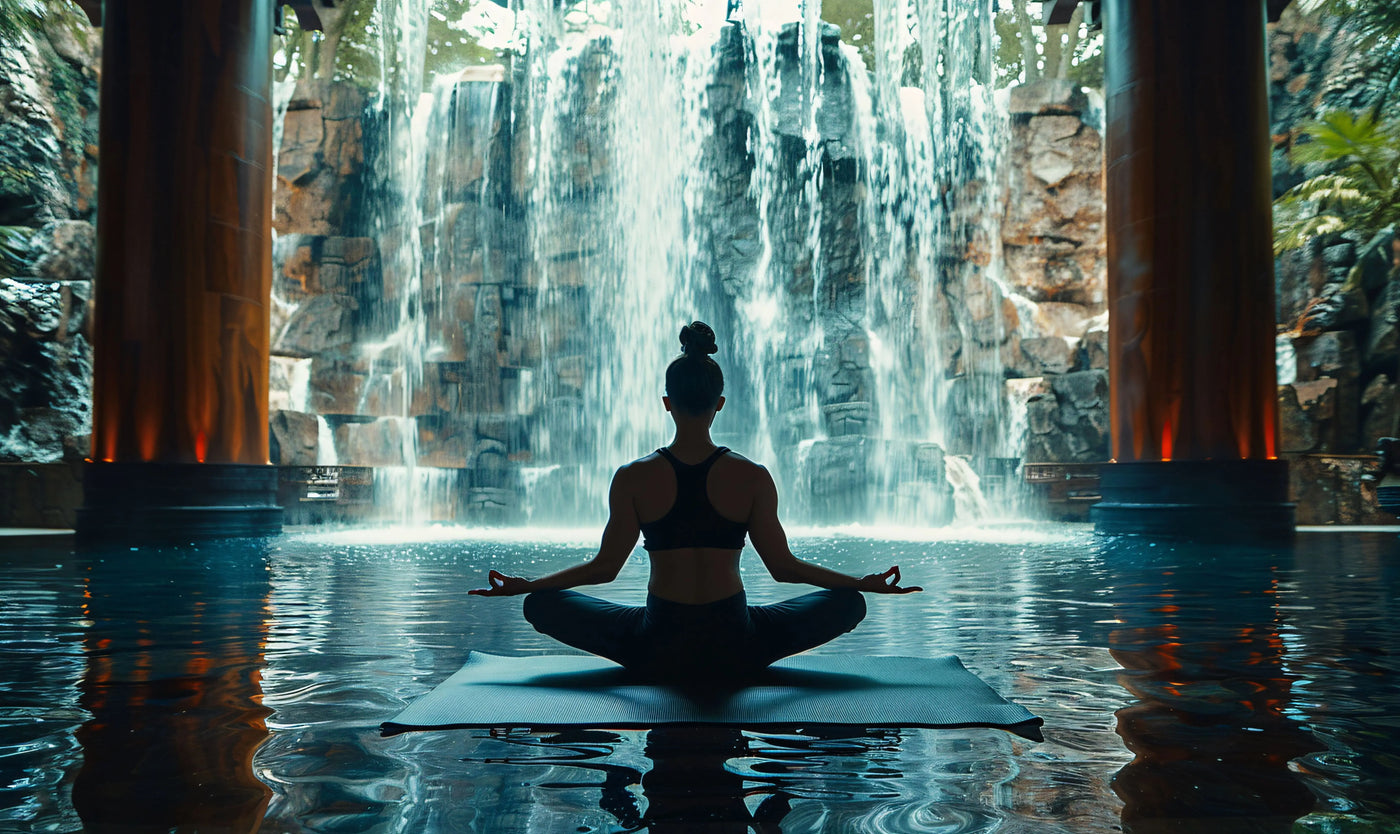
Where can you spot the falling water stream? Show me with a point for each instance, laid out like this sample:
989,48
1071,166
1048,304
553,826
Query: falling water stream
546,228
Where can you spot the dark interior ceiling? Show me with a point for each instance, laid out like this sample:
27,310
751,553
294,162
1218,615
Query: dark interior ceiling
1059,11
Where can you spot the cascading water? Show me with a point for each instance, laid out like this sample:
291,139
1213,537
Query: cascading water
554,223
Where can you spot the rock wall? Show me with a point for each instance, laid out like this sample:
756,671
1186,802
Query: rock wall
48,167
507,286
1338,298
1054,246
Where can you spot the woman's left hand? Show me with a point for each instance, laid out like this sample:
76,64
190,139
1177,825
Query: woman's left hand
502,585
885,583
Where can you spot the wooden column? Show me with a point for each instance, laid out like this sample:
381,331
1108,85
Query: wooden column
1190,259
184,236
1190,273
184,274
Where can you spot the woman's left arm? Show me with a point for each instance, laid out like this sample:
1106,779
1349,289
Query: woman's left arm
619,538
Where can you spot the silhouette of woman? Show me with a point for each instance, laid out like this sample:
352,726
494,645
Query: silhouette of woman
694,502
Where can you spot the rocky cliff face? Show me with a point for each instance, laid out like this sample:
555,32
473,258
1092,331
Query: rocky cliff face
510,285
48,162
1054,244
1339,297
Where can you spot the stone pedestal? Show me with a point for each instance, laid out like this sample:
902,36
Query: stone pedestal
1225,500
180,378
178,502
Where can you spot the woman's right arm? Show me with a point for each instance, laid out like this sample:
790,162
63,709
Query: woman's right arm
619,537
770,540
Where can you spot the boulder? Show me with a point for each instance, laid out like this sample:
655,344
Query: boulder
292,438
375,443
1334,490
1338,305
1378,406
67,251
1047,355
46,368
336,386
491,506
445,441
850,418
1333,355
1048,96
835,474
1070,423
1307,416
322,325
302,135
1383,341
1093,350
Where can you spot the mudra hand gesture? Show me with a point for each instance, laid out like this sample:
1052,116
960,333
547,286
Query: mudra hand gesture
885,583
501,585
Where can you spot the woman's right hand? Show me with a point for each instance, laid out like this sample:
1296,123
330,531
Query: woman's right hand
503,586
885,583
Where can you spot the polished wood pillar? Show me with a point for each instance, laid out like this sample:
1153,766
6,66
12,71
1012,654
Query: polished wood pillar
184,235
184,273
1190,272
1190,259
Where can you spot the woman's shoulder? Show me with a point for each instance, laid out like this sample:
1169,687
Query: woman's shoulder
640,466
740,465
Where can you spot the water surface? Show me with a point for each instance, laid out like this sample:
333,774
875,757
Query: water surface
240,685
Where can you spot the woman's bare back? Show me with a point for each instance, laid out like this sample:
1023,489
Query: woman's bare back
693,575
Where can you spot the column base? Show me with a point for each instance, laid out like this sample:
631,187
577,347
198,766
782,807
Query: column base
1226,500
178,501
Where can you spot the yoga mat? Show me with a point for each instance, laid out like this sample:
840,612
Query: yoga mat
556,691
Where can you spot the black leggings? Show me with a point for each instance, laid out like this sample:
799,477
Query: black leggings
675,641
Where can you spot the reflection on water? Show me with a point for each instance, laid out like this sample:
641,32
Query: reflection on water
1212,725
236,687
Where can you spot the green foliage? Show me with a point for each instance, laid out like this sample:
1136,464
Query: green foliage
857,21
358,32
449,48
1029,51
1357,189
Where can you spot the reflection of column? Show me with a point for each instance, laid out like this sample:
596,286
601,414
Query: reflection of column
173,684
1190,269
184,269
1210,730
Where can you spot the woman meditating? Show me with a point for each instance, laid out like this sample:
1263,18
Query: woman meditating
694,502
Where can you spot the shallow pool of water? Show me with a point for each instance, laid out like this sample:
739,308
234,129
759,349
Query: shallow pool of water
239,686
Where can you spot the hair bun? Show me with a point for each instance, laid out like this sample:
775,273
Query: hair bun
698,339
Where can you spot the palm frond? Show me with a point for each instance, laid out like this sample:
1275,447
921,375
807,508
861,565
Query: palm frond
1296,232
1341,190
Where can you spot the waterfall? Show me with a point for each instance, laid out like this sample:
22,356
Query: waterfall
325,443
546,227
969,504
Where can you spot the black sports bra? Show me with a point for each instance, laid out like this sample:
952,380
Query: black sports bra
692,521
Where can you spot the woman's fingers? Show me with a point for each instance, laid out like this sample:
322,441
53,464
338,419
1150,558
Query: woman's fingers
496,585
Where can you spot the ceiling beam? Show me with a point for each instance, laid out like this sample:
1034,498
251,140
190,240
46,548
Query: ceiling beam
93,10
1057,12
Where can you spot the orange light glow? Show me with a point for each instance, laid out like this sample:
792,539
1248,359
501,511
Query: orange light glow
148,436
201,445
1167,441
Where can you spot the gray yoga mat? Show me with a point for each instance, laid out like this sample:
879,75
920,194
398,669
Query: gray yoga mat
557,691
